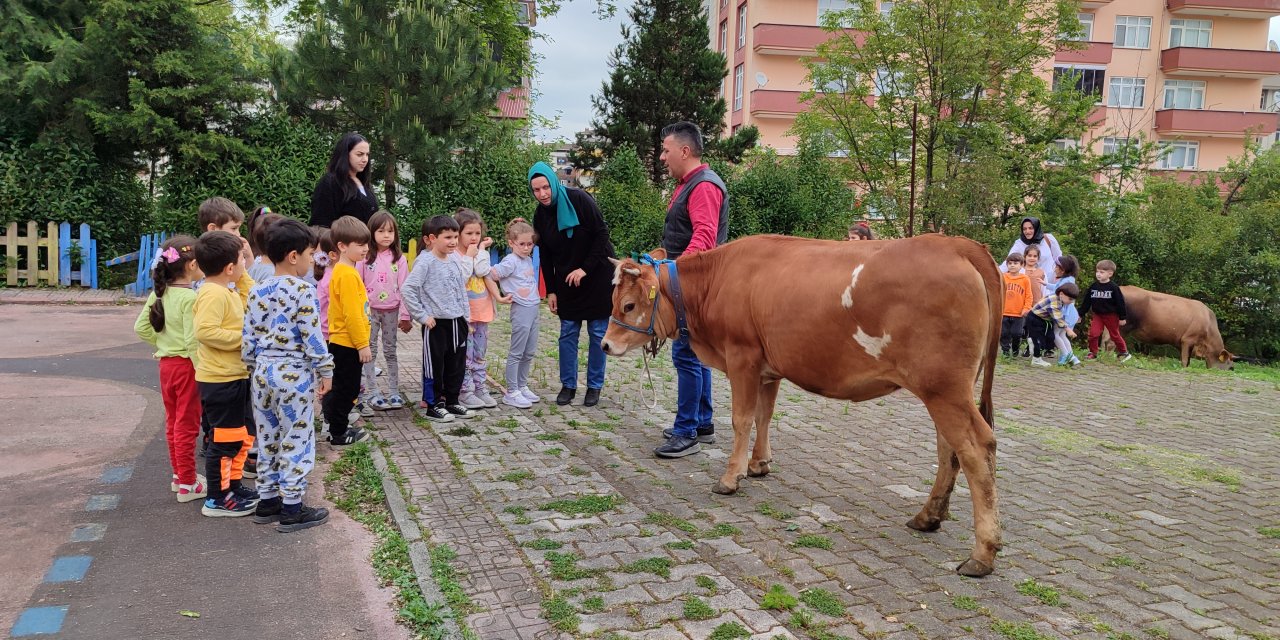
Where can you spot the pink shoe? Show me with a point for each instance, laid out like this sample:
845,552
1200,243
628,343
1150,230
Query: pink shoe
189,492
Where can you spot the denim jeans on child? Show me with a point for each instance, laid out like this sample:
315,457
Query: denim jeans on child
693,390
570,330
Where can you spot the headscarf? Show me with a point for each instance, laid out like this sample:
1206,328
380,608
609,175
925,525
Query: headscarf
566,215
1035,237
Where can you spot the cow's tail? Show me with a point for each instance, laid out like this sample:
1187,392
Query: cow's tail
986,267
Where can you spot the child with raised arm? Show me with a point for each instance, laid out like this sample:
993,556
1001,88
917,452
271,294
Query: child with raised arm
290,364
1059,310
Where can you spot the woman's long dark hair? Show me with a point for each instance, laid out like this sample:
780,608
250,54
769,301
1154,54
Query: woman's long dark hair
166,272
339,168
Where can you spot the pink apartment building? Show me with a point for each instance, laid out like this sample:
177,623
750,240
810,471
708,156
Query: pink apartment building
1186,73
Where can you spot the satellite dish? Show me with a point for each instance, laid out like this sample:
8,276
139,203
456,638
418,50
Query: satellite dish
1272,46
761,79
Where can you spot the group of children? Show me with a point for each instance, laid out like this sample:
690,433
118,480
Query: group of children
1044,312
251,332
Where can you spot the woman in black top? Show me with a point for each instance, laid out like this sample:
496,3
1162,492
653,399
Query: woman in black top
344,190
574,248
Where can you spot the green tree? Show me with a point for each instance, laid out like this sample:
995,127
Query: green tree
985,122
409,74
631,205
663,72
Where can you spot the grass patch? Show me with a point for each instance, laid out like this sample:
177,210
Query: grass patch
461,431
658,566
680,544
1270,532
729,631
777,598
812,541
706,582
668,520
720,531
696,609
516,476
554,451
585,505
594,604
560,614
509,423
548,437
1017,630
766,509
822,601
564,566
1156,632
577,471
1044,593
543,544
965,603
1121,561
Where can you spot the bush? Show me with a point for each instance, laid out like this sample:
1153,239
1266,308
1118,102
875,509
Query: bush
800,195
632,206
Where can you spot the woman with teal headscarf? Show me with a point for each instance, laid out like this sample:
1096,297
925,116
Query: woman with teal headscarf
574,252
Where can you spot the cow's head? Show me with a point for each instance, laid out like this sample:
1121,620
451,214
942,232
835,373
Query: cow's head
1223,360
636,301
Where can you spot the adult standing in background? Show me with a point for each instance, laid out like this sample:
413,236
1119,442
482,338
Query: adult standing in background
1050,250
344,190
573,241
697,220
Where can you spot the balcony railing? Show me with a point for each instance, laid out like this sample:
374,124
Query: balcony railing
1093,53
793,39
1256,9
1234,63
767,103
1218,124
1094,4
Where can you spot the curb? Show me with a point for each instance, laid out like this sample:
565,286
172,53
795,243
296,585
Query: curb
419,552
71,302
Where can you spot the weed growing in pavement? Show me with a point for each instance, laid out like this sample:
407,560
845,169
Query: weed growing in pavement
720,531
594,604
461,431
777,598
1044,593
560,614
564,566
509,423
585,505
554,451
518,512
1270,532
1156,632
696,609
766,509
1121,561
812,541
706,582
965,603
543,544
729,631
679,544
1017,630
516,476
658,566
822,601
668,520
548,437
577,471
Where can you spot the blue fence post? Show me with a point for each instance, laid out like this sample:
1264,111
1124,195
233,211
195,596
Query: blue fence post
92,264
64,254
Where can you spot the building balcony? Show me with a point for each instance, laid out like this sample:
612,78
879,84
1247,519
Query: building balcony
767,103
1093,53
793,39
1256,9
1217,124
1219,63
1094,4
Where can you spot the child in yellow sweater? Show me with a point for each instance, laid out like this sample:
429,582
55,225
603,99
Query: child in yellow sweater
348,329
221,374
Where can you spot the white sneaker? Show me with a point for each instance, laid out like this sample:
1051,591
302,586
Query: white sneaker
1040,362
470,401
483,396
516,400
529,395
354,417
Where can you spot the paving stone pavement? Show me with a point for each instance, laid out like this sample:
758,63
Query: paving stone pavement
1131,503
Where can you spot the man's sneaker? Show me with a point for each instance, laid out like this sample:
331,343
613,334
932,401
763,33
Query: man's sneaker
352,436
268,510
565,396
516,400
304,518
529,395
1124,357
678,447
470,401
460,412
1040,362
437,414
483,396
1090,356
191,492
706,435
229,507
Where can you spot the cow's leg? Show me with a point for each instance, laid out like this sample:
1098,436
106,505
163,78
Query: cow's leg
761,454
960,424
936,507
744,390
1186,353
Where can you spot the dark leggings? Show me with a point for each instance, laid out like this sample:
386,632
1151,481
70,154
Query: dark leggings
1041,334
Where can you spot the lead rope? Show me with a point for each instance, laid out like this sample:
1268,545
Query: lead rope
650,351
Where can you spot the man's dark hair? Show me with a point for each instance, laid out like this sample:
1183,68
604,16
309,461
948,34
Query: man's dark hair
687,133
435,225
217,249
1070,289
285,237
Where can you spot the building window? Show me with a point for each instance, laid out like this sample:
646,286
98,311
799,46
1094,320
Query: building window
1120,151
888,83
1270,100
832,6
724,36
1061,149
724,3
1190,33
737,88
1179,155
1129,93
1133,32
1086,22
1085,80
886,7
1184,94
742,25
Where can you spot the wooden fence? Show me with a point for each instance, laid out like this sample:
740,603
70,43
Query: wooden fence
54,259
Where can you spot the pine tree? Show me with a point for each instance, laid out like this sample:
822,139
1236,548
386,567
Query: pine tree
663,72
408,74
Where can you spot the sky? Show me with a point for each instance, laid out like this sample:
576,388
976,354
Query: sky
573,62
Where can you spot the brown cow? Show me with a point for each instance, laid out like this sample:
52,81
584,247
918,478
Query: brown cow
847,320
1190,325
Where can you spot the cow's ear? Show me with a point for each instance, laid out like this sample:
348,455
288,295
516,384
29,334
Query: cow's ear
658,254
631,272
1224,356
615,261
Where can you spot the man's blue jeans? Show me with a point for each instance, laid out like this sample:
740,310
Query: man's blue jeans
570,330
693,390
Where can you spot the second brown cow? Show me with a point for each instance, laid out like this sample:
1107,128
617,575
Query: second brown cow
1190,325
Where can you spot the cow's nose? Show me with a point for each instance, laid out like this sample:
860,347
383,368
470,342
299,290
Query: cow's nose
604,346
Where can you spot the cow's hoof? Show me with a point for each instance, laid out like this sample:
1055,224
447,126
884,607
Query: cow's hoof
921,523
974,568
723,489
761,469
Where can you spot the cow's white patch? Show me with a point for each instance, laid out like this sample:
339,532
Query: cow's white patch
846,299
618,271
871,344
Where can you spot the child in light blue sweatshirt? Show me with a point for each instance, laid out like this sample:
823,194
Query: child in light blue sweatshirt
520,285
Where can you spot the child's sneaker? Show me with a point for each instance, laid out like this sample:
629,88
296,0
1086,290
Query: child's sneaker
267,511
244,493
304,518
229,507
354,417
437,414
1040,362
191,492
396,401
352,436
470,401
378,403
250,468
1074,362
460,412
1090,356
173,484
517,400
483,396
1124,357
529,395
365,410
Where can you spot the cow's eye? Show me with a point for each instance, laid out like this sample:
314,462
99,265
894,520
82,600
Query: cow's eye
629,307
